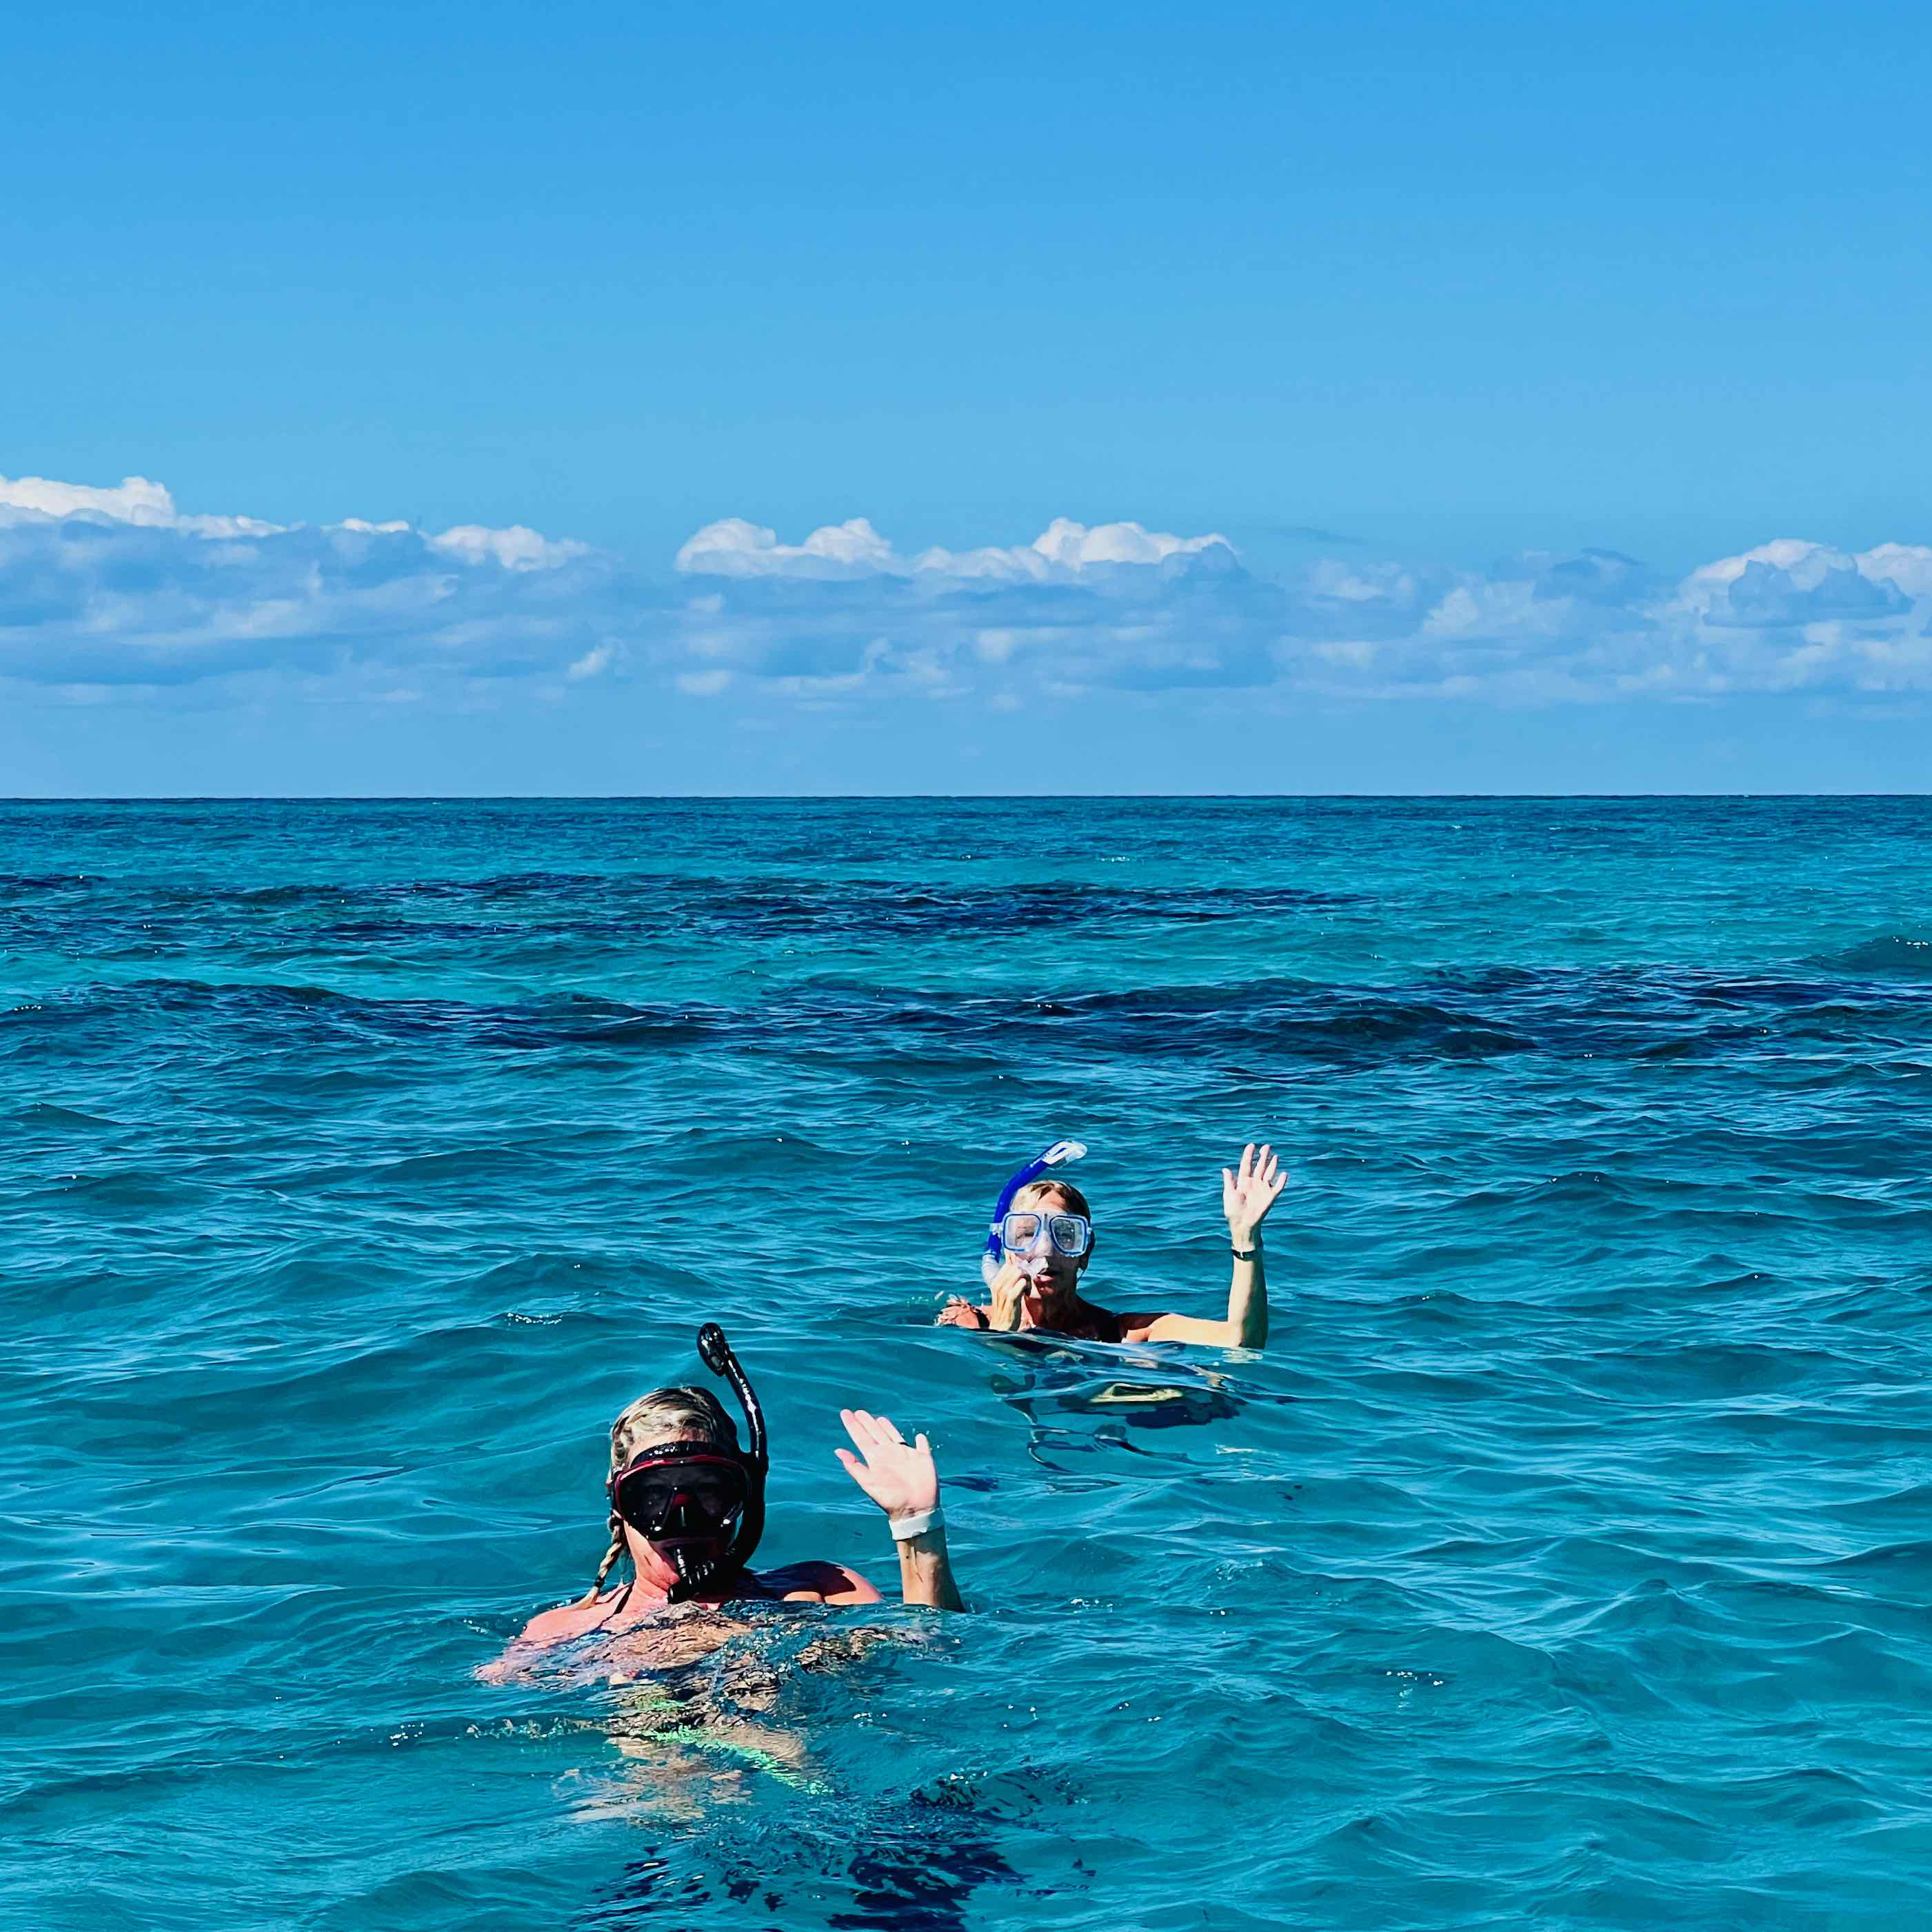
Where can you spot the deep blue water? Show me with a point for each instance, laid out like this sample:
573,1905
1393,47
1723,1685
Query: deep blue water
1566,1561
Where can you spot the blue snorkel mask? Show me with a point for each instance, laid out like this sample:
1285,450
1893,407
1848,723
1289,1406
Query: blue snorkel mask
1058,1155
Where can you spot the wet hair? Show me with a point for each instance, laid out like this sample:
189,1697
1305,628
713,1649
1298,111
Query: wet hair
1035,1192
663,1415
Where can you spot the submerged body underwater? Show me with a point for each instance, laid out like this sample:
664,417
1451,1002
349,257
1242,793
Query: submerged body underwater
1565,1559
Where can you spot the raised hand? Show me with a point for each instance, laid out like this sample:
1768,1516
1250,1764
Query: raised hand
1247,1192
897,1474
1006,1289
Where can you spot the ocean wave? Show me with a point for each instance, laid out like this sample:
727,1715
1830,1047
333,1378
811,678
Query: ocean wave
1903,955
1567,1546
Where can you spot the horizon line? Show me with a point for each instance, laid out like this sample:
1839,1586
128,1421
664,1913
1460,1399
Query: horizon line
931,798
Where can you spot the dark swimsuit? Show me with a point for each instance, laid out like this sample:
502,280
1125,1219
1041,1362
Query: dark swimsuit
1091,1324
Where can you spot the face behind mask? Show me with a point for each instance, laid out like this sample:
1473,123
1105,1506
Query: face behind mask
699,1502
683,1492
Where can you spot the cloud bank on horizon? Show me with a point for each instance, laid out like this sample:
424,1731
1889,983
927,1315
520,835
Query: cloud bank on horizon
115,589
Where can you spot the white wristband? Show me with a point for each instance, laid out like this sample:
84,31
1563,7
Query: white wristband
905,1527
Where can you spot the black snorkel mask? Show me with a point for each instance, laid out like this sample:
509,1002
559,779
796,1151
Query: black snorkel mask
702,1503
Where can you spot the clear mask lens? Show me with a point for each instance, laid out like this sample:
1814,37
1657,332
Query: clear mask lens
1071,1233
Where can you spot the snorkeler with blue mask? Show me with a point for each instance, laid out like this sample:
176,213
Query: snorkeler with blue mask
1041,1241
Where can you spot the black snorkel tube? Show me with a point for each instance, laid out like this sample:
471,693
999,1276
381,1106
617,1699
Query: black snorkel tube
694,1574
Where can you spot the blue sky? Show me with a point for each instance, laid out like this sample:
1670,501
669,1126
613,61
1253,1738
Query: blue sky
1494,345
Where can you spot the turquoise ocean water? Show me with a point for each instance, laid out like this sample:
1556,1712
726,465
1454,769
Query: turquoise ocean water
1566,1562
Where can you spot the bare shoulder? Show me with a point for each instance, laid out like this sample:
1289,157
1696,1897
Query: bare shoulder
819,1583
547,1627
566,1621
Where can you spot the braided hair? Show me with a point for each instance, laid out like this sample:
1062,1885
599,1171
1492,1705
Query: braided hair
664,1415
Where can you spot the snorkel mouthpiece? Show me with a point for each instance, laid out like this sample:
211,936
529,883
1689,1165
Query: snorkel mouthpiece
693,1572
1058,1155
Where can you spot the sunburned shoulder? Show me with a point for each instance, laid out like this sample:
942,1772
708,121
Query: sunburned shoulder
809,1582
547,1627
819,1583
567,1620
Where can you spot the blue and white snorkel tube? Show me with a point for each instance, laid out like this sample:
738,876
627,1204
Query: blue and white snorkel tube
1058,1155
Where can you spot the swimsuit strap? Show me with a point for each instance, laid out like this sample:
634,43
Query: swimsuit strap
1104,1324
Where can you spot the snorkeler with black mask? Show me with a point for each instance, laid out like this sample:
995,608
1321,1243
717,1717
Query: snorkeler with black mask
687,1509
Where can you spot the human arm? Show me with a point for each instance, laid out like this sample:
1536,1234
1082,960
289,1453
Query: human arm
1247,1193
900,1478
1002,1312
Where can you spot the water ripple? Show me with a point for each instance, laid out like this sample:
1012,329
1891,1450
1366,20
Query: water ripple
1563,1562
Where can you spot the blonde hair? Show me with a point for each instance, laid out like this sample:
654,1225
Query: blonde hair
662,1415
1035,1192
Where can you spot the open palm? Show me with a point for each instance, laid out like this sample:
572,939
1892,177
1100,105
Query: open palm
1248,1191
897,1474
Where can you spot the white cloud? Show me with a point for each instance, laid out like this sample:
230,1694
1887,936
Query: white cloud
133,500
1064,550
106,586
515,548
113,586
142,505
733,548
1792,582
